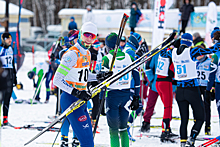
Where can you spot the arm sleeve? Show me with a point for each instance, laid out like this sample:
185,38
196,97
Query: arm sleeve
40,76
195,52
213,69
136,77
68,60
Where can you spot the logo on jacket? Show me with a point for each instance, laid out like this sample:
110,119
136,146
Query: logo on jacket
67,59
82,118
85,126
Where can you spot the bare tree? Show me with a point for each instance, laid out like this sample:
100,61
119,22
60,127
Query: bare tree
40,12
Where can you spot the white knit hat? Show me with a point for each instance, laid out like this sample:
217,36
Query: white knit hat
89,27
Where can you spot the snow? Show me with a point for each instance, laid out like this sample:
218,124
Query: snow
24,114
14,9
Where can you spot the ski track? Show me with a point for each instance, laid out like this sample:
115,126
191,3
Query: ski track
24,114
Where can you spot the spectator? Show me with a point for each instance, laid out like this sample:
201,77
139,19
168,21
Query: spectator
135,15
72,24
7,58
89,16
197,40
186,9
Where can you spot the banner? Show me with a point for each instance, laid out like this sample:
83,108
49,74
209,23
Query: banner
211,22
19,56
159,22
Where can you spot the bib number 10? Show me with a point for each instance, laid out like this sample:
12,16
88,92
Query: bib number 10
83,74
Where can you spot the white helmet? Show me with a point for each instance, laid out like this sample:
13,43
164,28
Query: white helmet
89,27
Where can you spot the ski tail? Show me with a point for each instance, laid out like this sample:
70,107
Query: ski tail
210,142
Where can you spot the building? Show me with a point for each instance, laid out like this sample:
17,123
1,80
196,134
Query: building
25,24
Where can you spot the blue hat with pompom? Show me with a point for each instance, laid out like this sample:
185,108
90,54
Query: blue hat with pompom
186,39
215,30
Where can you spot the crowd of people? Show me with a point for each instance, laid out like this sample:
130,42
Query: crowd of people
80,60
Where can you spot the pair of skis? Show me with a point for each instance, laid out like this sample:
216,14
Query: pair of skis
104,84
210,142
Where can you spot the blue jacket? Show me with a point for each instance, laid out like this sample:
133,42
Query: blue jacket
150,71
72,25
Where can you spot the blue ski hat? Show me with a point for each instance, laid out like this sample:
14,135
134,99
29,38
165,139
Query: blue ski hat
31,74
134,39
215,30
110,40
186,39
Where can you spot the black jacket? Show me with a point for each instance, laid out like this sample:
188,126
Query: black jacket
186,10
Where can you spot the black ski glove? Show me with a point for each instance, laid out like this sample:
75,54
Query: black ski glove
15,81
83,95
135,103
171,37
101,76
143,48
212,95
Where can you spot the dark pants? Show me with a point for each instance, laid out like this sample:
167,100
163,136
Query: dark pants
7,95
185,97
207,104
217,97
95,108
152,99
184,24
117,102
132,29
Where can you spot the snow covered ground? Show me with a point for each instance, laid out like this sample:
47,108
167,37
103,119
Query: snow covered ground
25,114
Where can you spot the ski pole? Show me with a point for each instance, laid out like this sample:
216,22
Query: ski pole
35,94
58,131
122,26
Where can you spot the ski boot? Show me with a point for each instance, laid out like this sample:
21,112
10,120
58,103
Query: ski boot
75,142
183,144
207,130
190,142
166,137
145,127
129,134
171,134
64,142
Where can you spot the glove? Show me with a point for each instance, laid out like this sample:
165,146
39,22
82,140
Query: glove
141,50
212,95
52,57
101,76
207,95
35,85
135,103
83,95
15,81
171,37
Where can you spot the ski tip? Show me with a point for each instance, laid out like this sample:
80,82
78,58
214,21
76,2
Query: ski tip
126,15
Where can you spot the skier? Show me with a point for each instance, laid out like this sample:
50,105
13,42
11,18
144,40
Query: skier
133,48
184,60
42,70
69,42
71,77
165,74
7,59
212,94
118,94
95,67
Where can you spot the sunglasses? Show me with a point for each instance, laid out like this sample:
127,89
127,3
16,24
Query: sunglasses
86,34
96,46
